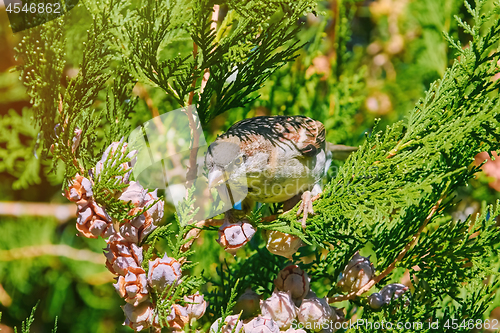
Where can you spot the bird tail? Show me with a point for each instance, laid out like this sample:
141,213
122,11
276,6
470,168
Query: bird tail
340,152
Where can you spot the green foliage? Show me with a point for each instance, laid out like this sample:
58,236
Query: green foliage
243,50
448,128
465,248
173,294
41,52
422,317
55,327
184,220
276,57
82,91
73,280
25,326
146,32
15,128
58,110
324,86
119,107
110,181
261,61
227,311
457,119
224,295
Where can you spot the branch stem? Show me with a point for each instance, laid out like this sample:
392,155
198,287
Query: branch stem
192,171
195,232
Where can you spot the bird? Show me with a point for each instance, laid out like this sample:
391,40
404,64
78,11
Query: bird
270,159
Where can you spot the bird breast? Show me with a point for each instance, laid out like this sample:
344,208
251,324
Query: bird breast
280,176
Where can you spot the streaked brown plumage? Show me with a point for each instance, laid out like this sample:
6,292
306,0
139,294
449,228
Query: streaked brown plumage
269,159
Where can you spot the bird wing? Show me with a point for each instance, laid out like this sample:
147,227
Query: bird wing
305,134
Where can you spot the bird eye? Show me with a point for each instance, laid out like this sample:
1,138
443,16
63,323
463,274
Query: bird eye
238,161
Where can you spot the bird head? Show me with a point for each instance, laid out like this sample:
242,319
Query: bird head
225,162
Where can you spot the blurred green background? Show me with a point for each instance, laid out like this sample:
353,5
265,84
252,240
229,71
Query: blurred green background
370,63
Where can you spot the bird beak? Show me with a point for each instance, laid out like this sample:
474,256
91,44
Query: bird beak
217,177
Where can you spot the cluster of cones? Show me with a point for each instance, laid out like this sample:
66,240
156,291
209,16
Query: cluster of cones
124,255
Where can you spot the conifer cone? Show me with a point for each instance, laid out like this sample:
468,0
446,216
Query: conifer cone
233,236
79,191
262,325
111,150
133,287
231,324
387,294
120,255
138,317
280,308
163,273
358,272
93,221
282,244
195,305
292,278
136,228
314,312
248,302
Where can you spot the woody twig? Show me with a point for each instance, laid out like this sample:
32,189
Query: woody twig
191,174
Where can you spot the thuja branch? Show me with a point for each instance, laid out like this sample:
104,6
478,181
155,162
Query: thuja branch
196,230
194,233
213,26
391,267
191,174
193,165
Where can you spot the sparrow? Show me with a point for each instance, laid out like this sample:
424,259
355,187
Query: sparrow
269,159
